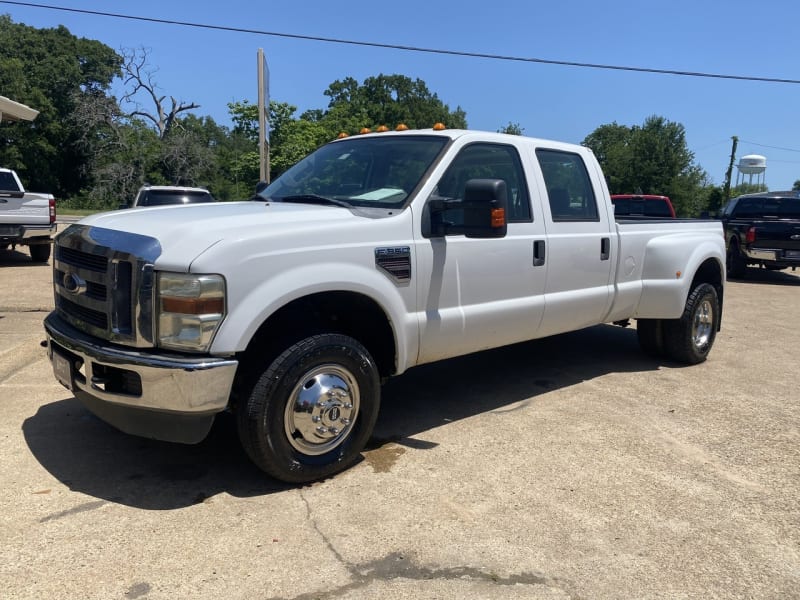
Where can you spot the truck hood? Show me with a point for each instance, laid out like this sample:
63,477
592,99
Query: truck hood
186,231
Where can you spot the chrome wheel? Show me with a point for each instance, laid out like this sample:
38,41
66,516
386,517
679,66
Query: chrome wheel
321,410
703,324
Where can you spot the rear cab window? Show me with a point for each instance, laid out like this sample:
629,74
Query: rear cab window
165,197
569,188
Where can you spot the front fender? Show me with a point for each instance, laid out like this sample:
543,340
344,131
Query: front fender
252,307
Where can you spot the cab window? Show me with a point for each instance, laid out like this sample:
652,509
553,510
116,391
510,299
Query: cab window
488,161
569,189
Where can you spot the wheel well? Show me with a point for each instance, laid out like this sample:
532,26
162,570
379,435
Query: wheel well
348,313
711,271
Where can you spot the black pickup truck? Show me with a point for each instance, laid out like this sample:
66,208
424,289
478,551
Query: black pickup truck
762,229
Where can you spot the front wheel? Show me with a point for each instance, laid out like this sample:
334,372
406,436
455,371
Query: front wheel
690,338
312,410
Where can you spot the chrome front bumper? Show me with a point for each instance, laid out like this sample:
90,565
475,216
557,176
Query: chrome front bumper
162,396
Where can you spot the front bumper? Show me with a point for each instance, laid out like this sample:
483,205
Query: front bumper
162,396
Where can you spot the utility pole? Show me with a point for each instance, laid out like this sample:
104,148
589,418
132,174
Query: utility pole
726,189
263,119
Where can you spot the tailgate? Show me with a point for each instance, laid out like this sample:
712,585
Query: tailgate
784,235
31,209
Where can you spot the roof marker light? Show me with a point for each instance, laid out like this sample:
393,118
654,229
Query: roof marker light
439,127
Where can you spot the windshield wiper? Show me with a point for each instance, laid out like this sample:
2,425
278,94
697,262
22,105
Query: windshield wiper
314,199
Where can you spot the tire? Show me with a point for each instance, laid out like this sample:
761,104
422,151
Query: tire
735,263
40,253
312,410
690,338
651,336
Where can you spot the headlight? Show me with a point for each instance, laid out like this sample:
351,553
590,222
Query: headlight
190,309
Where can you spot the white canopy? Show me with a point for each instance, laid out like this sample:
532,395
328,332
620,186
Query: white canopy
14,111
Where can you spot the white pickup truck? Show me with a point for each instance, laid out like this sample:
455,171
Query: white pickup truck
26,218
372,255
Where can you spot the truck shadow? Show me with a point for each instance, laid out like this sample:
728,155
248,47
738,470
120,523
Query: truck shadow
19,258
765,276
93,458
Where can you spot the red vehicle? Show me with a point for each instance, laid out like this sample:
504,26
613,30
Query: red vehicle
642,205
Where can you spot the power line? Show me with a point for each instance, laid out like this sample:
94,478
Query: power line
312,38
766,146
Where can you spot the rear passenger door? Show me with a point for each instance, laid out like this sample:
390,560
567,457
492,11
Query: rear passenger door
580,252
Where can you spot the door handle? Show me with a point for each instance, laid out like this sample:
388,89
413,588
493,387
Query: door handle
538,253
605,248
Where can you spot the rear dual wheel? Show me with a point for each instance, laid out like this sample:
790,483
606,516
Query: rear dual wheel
735,264
312,410
688,339
40,252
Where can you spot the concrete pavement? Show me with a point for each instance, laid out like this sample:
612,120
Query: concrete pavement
570,467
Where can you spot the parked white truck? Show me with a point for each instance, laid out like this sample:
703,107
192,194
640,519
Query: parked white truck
26,218
372,255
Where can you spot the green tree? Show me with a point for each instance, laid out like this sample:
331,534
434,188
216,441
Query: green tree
651,159
290,138
796,186
512,129
387,100
54,72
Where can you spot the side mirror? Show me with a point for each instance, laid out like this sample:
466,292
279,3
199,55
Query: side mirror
485,208
480,214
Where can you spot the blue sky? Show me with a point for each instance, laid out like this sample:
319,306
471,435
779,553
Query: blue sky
213,68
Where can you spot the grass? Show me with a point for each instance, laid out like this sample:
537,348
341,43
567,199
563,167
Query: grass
77,212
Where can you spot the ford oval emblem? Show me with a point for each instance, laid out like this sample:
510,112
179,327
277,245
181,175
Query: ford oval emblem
73,284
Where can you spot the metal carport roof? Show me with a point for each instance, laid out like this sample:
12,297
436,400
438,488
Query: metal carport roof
14,111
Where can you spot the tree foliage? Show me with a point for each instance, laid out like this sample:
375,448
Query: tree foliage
56,73
651,159
382,100
387,100
512,129
87,146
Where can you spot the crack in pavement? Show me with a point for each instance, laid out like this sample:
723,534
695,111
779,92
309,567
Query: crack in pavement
396,565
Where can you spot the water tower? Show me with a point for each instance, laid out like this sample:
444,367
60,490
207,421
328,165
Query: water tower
752,164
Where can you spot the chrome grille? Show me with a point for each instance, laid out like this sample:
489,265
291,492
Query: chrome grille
92,317
83,260
103,283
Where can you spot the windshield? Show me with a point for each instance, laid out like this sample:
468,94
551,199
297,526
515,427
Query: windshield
377,172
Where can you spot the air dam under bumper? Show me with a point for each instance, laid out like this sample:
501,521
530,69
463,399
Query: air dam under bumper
160,396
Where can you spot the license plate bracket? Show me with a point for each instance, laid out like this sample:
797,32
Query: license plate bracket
62,368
